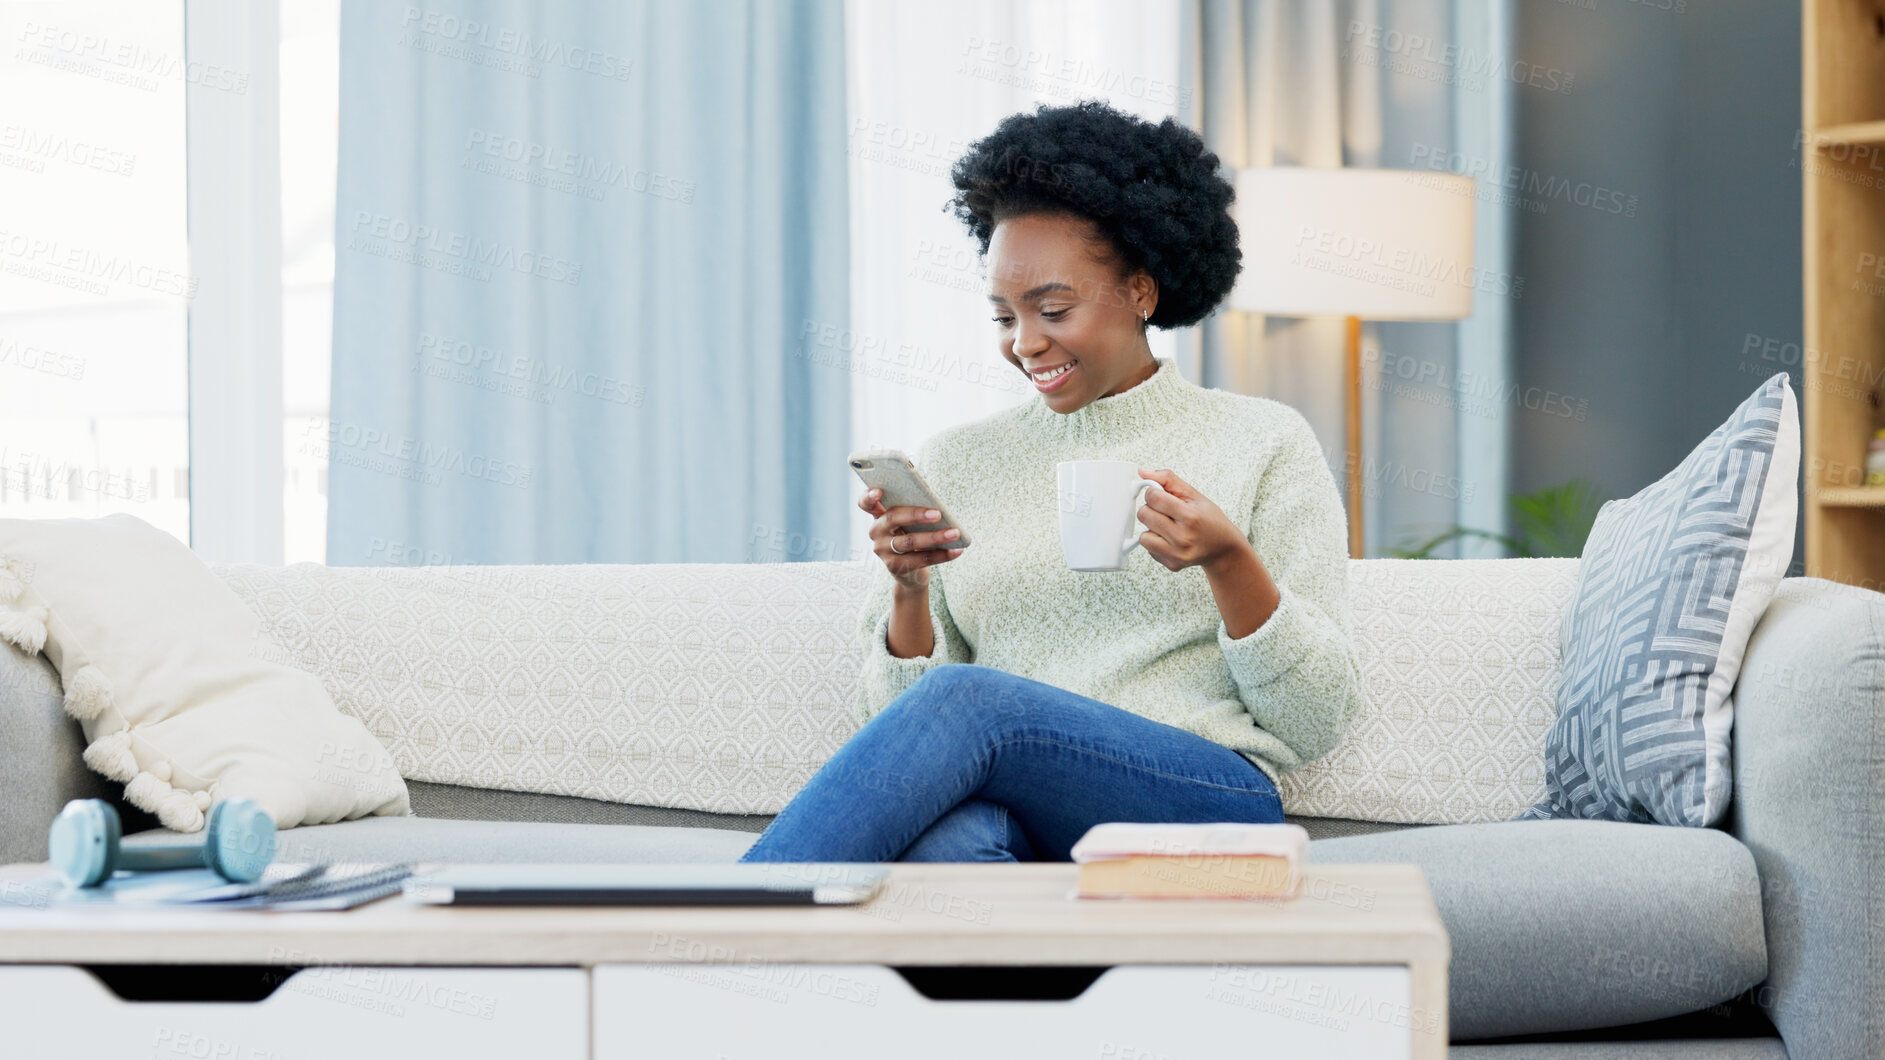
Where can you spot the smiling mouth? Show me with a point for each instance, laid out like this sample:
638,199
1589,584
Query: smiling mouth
1047,377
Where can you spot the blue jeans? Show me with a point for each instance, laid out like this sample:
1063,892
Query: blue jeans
971,763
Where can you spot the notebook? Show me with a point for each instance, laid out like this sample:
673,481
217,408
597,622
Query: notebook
284,886
342,885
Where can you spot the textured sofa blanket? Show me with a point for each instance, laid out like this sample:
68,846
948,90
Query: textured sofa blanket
723,687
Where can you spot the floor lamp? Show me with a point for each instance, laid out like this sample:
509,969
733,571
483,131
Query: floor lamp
1365,244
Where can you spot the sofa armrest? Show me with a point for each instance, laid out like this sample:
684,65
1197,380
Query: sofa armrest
1809,801
40,748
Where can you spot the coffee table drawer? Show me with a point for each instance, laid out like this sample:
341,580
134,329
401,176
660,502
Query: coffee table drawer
360,1013
1135,1012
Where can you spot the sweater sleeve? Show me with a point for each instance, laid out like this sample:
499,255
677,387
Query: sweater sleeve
1298,674
885,676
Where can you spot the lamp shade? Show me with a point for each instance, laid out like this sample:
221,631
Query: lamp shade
1380,244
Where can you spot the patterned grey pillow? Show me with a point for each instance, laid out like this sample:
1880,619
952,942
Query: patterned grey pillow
1670,586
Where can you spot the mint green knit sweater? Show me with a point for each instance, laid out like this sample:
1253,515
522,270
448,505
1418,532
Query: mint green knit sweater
1145,639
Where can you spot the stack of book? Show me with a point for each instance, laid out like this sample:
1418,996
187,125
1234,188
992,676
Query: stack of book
1119,860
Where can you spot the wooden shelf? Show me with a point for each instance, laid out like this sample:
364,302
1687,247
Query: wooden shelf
1842,46
1857,132
1842,380
1852,497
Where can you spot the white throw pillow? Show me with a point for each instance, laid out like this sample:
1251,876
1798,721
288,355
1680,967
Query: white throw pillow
181,694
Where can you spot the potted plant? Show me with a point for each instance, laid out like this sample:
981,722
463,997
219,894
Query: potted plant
1554,521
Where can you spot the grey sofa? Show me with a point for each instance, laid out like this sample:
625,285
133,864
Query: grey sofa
1573,939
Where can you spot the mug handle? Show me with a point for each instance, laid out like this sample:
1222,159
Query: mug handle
1125,549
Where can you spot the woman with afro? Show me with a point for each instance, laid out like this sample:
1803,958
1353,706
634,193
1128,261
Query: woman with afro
1009,703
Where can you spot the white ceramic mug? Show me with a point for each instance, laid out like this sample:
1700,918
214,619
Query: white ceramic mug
1099,512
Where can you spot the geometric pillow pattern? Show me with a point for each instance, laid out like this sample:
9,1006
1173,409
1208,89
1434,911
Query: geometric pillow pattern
724,687
1672,583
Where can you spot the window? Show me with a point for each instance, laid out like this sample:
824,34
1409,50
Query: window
94,264
310,136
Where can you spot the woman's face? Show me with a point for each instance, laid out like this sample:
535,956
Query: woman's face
1059,301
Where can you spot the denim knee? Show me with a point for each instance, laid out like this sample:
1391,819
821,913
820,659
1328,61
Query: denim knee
973,831
968,694
949,677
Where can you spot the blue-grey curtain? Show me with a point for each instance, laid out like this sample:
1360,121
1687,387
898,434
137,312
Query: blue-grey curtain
576,246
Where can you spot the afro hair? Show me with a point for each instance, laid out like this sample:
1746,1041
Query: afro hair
1152,190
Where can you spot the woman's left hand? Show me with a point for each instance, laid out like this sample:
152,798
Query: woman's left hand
1183,527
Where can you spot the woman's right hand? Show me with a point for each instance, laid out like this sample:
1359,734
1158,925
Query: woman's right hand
915,553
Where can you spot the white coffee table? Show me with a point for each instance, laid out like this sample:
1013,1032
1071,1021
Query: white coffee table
998,961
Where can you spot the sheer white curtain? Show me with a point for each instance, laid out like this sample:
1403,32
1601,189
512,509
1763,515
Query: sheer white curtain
924,81
1274,90
1298,83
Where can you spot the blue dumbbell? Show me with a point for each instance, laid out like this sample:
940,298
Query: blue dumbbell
238,842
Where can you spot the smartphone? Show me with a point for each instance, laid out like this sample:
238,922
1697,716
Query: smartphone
901,484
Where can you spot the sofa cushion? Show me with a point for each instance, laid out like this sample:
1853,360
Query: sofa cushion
1459,659
490,804
1563,925
703,686
423,839
722,687
1672,581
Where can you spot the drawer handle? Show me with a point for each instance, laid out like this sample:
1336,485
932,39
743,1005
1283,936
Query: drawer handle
195,982
1010,982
